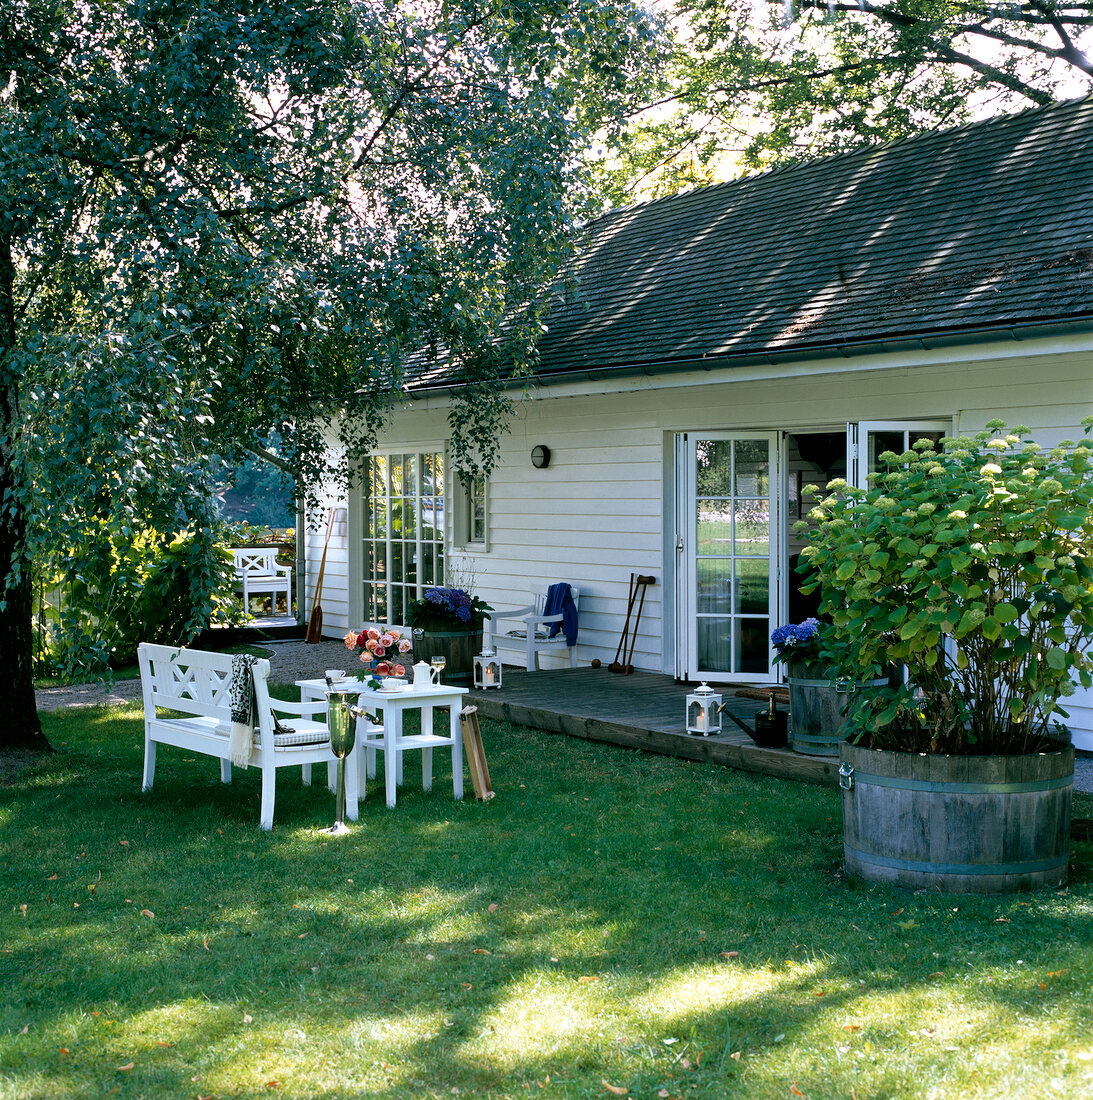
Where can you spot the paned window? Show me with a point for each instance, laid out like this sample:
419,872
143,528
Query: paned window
403,508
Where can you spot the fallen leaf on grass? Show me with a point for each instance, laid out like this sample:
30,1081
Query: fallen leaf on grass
23,909
1002,920
492,907
795,1090
52,878
615,1090
148,913
898,911
205,943
906,925
730,954
851,1027
65,1050
588,978
735,1056
481,951
272,1084
248,1018
128,1066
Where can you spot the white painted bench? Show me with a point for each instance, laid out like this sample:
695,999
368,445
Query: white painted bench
187,703
534,636
257,573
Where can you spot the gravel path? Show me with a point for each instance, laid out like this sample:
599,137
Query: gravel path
291,661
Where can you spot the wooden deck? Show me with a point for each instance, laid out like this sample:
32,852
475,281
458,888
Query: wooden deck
640,711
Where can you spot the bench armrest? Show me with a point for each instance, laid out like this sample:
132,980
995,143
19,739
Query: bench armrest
523,614
304,710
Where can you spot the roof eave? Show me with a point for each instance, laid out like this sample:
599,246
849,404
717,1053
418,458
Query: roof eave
928,341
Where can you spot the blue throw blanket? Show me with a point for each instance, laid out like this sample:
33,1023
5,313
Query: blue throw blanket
559,601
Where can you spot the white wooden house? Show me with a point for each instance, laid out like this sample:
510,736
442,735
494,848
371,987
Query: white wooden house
722,349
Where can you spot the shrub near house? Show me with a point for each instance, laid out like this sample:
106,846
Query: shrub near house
972,566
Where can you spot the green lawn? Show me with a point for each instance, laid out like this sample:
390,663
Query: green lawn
611,924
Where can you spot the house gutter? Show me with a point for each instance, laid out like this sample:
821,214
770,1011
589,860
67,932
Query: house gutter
1016,332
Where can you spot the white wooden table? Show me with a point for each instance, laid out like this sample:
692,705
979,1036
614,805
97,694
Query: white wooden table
392,742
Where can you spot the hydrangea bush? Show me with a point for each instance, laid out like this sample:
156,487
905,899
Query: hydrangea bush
797,641
445,609
971,564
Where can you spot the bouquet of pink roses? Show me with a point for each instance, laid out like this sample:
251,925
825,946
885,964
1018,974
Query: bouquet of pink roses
379,652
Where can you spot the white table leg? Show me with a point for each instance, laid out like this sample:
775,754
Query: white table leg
427,754
392,730
352,784
457,750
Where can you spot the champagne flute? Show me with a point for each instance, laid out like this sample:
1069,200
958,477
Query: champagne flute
438,664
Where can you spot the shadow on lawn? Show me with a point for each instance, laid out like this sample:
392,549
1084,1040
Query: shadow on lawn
622,884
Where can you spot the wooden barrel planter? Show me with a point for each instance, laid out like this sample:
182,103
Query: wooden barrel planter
458,647
819,707
963,824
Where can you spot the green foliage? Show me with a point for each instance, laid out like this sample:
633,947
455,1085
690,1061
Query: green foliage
972,567
754,86
225,222
98,607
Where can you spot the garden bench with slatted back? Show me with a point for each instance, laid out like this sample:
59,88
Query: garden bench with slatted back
257,573
187,704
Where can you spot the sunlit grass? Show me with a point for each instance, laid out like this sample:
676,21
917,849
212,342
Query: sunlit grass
610,919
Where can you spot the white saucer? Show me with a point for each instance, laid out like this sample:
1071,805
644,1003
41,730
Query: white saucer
392,691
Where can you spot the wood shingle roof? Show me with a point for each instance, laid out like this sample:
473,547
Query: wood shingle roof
984,227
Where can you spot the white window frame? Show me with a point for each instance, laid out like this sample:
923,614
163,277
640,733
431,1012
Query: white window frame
462,511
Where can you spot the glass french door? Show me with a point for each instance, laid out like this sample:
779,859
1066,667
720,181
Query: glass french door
728,553
403,532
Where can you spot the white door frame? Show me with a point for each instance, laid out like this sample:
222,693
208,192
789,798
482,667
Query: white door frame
687,666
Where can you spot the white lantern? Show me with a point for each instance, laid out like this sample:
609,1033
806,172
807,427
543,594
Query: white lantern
487,670
704,711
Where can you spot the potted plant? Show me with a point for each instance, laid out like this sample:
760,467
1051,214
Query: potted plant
819,704
447,623
969,563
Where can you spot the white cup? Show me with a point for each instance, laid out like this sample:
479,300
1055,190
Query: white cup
335,674
391,683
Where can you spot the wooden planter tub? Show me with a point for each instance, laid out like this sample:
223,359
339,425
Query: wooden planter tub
964,824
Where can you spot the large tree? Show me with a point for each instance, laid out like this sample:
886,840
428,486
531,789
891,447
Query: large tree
757,83
221,220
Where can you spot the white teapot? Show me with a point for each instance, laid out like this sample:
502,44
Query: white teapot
425,675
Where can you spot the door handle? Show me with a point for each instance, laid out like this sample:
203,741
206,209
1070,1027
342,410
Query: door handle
679,544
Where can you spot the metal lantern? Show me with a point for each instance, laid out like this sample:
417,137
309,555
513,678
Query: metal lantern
704,711
487,669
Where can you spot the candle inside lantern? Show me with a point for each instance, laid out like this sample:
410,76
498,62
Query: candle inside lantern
700,718
487,675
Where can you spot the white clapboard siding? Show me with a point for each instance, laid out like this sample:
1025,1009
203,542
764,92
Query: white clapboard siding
334,598
604,507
